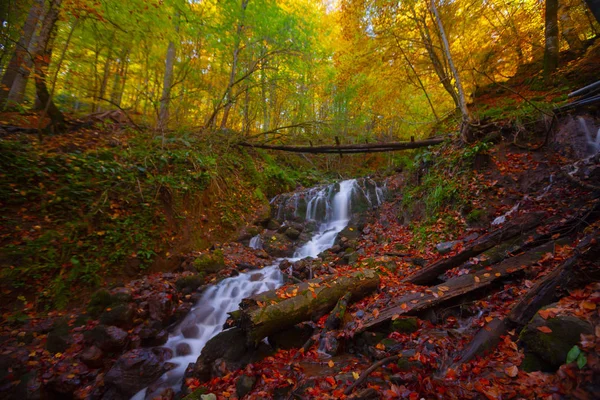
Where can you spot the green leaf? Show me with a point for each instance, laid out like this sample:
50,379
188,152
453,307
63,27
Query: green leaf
573,354
581,360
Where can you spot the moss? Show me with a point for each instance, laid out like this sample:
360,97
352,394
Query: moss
405,325
98,302
210,262
531,363
196,394
191,282
476,216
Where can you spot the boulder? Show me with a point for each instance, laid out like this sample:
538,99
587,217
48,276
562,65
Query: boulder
137,369
278,245
292,233
189,283
405,325
552,345
58,339
244,385
107,338
292,338
92,357
446,247
121,316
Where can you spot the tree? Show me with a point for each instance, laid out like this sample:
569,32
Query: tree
594,6
551,39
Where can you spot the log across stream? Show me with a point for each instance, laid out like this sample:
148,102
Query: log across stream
209,315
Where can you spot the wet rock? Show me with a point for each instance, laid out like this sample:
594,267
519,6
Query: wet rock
189,329
256,277
292,338
135,370
92,357
446,247
107,338
103,299
121,316
189,283
278,245
244,385
63,386
183,349
150,336
227,346
552,347
406,361
58,339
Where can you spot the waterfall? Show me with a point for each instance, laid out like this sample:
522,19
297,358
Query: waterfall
255,242
207,317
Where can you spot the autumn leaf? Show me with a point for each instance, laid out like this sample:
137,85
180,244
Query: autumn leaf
331,363
587,305
511,371
355,375
544,329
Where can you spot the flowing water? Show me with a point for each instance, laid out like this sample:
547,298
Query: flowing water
207,317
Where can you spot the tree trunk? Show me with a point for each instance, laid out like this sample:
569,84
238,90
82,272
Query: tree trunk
277,310
462,103
12,87
41,62
105,75
594,6
163,115
551,39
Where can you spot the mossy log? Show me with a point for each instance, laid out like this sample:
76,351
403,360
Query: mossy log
455,287
430,273
276,310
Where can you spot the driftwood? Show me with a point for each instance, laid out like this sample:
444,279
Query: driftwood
509,230
540,295
350,148
455,287
276,310
368,371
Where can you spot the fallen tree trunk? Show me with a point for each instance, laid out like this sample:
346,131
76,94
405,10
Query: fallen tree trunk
276,310
540,295
455,287
511,229
350,148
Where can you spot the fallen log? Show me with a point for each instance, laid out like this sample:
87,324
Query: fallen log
540,295
276,310
455,287
350,148
514,227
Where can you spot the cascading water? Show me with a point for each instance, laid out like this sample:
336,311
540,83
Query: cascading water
255,242
206,319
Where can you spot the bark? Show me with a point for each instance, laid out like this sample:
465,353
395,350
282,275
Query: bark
511,229
350,148
267,313
12,87
105,75
551,39
456,287
568,29
594,6
41,62
462,103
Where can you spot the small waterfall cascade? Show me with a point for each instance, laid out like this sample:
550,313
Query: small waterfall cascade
331,206
255,242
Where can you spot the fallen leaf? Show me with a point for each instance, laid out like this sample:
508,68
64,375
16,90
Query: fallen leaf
511,371
588,305
331,363
544,329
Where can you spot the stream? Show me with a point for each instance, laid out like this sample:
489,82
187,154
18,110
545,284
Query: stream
330,206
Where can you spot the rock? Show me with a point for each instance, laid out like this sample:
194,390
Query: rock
121,316
92,357
63,385
153,337
278,245
273,225
107,338
292,338
244,385
183,349
405,363
58,339
135,370
189,283
292,233
405,325
418,261
160,307
552,347
190,330
446,247
103,299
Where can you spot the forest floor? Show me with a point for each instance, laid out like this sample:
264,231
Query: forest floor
449,193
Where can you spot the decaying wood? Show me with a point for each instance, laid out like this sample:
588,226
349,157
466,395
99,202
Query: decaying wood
276,310
368,371
509,230
540,295
350,148
455,287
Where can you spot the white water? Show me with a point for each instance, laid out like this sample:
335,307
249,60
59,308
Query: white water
206,319
255,242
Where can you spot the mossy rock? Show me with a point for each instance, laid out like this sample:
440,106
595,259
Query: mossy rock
190,282
103,299
531,362
196,394
404,363
405,325
210,263
58,338
121,316
553,347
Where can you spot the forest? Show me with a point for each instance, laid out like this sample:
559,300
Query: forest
299,199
